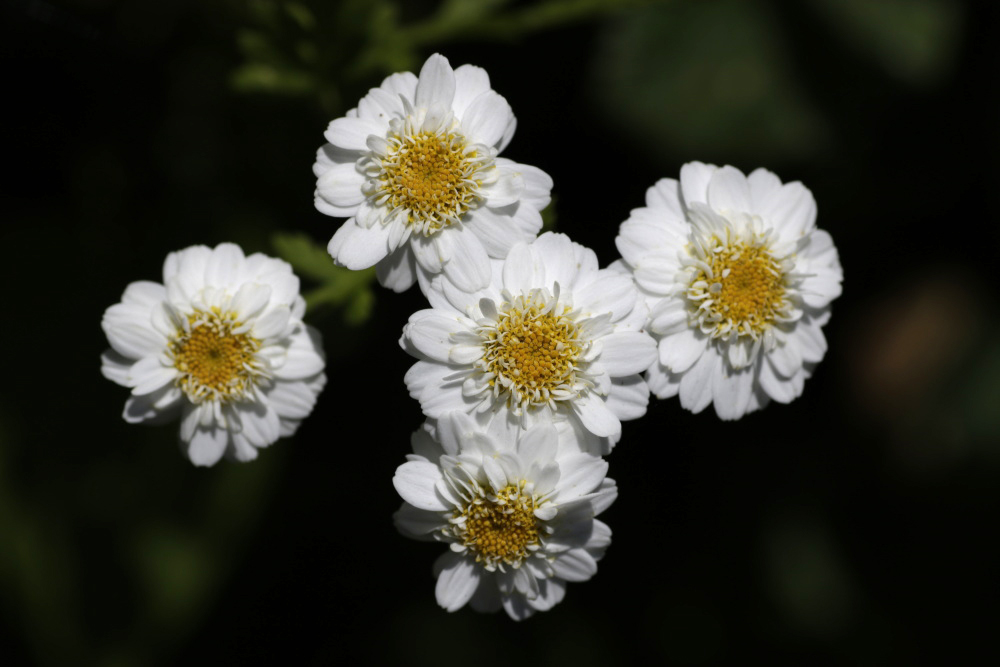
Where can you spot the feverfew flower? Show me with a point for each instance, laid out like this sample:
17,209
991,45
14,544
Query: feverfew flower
222,345
415,167
552,336
739,282
518,515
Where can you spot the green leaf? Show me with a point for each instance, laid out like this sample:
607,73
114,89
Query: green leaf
306,256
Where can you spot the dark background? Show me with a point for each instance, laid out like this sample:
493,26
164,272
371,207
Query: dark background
856,525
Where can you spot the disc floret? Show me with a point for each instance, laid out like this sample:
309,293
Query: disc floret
427,171
499,528
216,357
739,285
534,351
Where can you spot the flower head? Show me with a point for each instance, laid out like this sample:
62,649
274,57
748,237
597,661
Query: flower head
739,282
220,343
517,514
416,169
552,336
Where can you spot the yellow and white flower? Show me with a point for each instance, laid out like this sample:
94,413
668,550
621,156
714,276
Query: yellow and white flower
739,281
552,336
416,169
221,345
518,515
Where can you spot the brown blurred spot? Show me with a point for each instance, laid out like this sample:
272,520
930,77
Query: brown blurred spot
911,338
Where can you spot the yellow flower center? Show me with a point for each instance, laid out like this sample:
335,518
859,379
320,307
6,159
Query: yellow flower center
500,530
746,287
532,352
215,363
432,176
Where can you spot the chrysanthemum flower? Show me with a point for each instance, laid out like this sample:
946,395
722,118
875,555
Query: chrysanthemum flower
415,167
518,516
551,336
739,282
222,345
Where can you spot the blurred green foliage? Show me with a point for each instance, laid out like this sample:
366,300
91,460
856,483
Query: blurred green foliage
720,79
338,286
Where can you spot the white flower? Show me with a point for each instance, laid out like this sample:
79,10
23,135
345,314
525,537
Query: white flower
415,167
739,282
551,336
518,516
222,345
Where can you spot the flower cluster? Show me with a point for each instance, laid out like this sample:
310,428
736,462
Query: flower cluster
529,356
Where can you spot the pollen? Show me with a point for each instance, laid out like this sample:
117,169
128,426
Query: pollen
216,361
433,176
743,290
500,528
532,352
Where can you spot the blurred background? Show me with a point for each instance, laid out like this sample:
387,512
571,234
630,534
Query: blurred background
856,525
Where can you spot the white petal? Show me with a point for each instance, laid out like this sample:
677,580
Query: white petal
429,331
293,400
145,294
566,262
523,270
207,446
780,389
494,473
272,323
416,482
436,85
628,398
250,299
487,118
627,352
469,267
506,191
357,247
149,374
417,523
731,394
728,191
791,210
224,267
341,186
352,133
575,565
664,197
580,474
470,82
115,367
696,385
786,359
304,357
809,336
669,316
595,416
680,351
695,177
457,581
130,338
608,293
539,443
260,425
453,429
398,270
496,231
